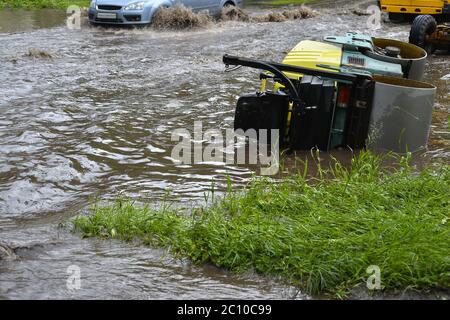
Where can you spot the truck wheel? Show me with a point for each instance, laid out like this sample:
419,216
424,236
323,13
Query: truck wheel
422,27
396,17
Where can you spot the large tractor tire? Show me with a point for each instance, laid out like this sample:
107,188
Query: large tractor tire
422,27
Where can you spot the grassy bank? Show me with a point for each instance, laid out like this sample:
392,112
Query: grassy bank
41,4
319,234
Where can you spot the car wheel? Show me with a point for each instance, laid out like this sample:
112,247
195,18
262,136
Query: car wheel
228,4
422,27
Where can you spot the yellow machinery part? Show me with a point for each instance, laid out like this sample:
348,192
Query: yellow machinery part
263,85
309,54
413,6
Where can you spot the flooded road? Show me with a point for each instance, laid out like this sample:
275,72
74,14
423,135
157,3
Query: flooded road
93,119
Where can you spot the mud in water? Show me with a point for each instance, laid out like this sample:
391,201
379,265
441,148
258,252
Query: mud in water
302,12
237,14
6,252
179,17
234,14
38,53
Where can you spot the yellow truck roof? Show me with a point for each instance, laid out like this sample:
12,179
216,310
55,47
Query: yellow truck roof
309,54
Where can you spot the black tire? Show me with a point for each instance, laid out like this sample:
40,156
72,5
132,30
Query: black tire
228,4
396,17
410,18
422,27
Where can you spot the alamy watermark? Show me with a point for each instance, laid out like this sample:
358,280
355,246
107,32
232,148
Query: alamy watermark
374,280
374,20
234,147
73,282
73,21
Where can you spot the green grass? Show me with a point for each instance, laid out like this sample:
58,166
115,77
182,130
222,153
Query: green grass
319,234
41,4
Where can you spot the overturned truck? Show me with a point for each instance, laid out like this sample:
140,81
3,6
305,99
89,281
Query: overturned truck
353,91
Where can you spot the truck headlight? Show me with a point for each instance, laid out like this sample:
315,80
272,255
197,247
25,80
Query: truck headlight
93,4
135,6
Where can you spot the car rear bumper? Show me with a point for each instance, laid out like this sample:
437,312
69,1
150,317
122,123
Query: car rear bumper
121,17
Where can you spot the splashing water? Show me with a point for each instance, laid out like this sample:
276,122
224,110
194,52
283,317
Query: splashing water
179,17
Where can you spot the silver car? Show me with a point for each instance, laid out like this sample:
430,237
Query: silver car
140,12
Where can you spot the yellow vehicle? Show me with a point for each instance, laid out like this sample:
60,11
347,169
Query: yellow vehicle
427,34
400,10
352,91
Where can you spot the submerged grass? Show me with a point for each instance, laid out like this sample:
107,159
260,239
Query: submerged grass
280,2
41,4
320,234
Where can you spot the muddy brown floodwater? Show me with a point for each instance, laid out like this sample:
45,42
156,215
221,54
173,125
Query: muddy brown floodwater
88,114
